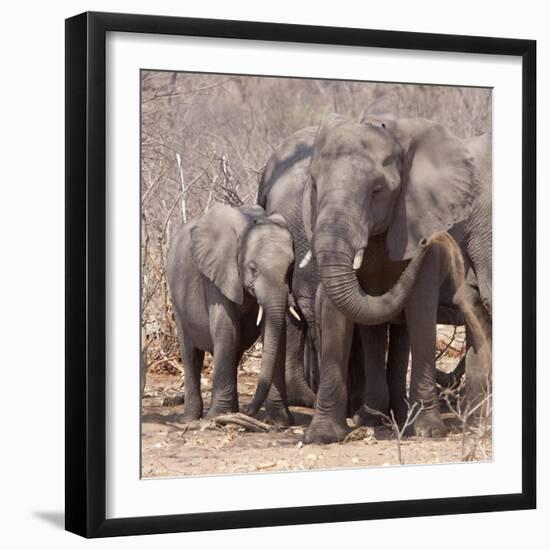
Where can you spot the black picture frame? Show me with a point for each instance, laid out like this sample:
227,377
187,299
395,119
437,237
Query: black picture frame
86,274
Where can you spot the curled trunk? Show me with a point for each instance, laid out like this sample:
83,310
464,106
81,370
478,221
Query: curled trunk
335,260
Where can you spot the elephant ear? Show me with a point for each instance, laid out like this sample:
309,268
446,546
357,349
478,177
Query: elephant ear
438,184
214,246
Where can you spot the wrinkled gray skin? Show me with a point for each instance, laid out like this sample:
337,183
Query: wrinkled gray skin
384,190
219,268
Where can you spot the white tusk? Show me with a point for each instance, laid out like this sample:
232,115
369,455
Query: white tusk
358,260
260,315
294,313
306,260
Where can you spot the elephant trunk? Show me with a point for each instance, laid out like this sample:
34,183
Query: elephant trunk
273,347
335,258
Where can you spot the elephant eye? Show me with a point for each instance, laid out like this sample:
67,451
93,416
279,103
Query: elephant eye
253,268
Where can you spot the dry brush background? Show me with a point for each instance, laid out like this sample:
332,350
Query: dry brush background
206,138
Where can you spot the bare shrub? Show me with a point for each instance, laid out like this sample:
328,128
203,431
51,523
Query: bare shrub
475,420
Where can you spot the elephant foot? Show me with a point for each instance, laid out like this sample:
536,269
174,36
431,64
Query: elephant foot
363,417
301,397
278,415
217,409
191,413
430,424
324,429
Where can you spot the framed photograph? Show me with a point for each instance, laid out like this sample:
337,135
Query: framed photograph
300,274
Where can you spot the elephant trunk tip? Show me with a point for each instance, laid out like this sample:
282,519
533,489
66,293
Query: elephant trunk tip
259,398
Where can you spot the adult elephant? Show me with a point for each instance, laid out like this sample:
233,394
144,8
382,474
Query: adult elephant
377,195
224,271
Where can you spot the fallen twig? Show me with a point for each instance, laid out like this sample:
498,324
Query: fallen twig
245,421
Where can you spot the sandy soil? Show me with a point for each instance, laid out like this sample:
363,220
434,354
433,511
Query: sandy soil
171,447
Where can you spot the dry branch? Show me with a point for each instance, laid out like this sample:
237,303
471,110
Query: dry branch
245,421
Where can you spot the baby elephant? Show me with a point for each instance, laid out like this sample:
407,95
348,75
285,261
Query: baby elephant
226,272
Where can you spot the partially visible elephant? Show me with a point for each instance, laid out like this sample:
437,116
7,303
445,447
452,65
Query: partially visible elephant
224,271
476,297
378,194
281,191
476,294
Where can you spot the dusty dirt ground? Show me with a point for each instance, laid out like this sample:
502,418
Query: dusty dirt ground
171,447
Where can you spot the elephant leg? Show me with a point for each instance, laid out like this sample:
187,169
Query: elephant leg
374,341
307,359
329,421
192,360
478,369
421,314
297,390
225,336
311,357
356,374
396,371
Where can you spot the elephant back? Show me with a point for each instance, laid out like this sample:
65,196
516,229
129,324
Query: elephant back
293,155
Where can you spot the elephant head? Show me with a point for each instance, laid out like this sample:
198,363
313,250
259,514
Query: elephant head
241,250
408,179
